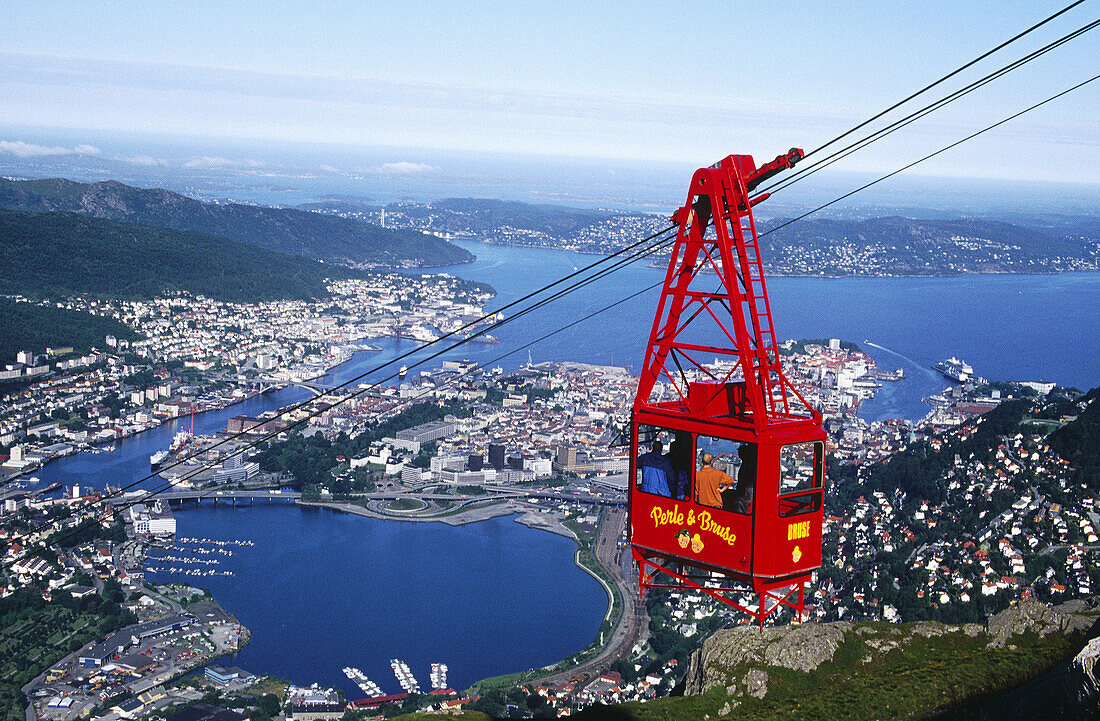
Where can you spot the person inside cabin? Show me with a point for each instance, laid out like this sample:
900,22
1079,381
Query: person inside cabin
746,480
710,482
679,457
656,471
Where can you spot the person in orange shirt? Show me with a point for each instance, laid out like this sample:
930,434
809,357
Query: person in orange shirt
711,482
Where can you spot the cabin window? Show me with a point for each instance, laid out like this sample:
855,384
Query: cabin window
801,467
725,474
664,469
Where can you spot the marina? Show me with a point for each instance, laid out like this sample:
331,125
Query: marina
404,676
439,676
204,555
187,571
368,687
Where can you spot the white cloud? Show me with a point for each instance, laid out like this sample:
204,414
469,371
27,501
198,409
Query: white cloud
216,162
29,150
146,160
402,168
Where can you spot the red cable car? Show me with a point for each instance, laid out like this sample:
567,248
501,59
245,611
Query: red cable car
726,459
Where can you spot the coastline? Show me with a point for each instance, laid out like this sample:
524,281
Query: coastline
591,653
95,445
531,520
781,274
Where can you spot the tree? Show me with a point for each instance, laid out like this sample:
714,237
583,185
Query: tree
269,703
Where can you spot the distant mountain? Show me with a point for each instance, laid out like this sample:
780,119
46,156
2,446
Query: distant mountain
485,213
504,222
297,232
909,246
59,254
813,246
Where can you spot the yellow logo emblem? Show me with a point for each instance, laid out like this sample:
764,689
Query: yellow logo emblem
796,555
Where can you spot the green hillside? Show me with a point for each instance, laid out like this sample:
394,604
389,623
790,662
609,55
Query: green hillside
58,254
296,232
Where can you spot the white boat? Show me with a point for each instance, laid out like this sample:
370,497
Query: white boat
439,676
157,458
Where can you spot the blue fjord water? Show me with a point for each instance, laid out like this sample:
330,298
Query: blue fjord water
322,590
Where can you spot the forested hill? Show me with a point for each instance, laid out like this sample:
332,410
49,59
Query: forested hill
59,254
27,325
926,469
458,214
1079,440
313,235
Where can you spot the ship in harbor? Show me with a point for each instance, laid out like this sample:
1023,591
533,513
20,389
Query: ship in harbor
404,676
957,370
157,458
370,688
179,442
439,676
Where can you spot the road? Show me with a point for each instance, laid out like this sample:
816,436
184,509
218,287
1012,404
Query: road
495,492
634,622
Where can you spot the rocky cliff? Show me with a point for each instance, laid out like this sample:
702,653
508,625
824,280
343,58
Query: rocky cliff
881,670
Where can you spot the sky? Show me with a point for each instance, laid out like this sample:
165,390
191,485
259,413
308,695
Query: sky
384,87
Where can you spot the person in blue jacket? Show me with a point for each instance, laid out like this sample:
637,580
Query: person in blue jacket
656,471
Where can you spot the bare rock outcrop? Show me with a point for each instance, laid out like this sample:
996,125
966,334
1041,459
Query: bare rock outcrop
799,648
738,660
1034,616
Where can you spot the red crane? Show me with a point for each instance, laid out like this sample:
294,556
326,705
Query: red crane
726,456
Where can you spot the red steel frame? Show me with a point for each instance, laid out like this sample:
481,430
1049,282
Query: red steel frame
717,234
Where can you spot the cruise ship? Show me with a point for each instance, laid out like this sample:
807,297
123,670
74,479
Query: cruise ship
439,676
957,370
370,688
404,676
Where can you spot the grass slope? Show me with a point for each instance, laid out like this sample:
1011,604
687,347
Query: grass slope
922,679
59,254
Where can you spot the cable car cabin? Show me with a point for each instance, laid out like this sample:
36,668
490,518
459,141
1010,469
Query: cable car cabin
727,457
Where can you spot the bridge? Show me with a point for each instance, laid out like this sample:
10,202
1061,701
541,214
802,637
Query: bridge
313,387
234,497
